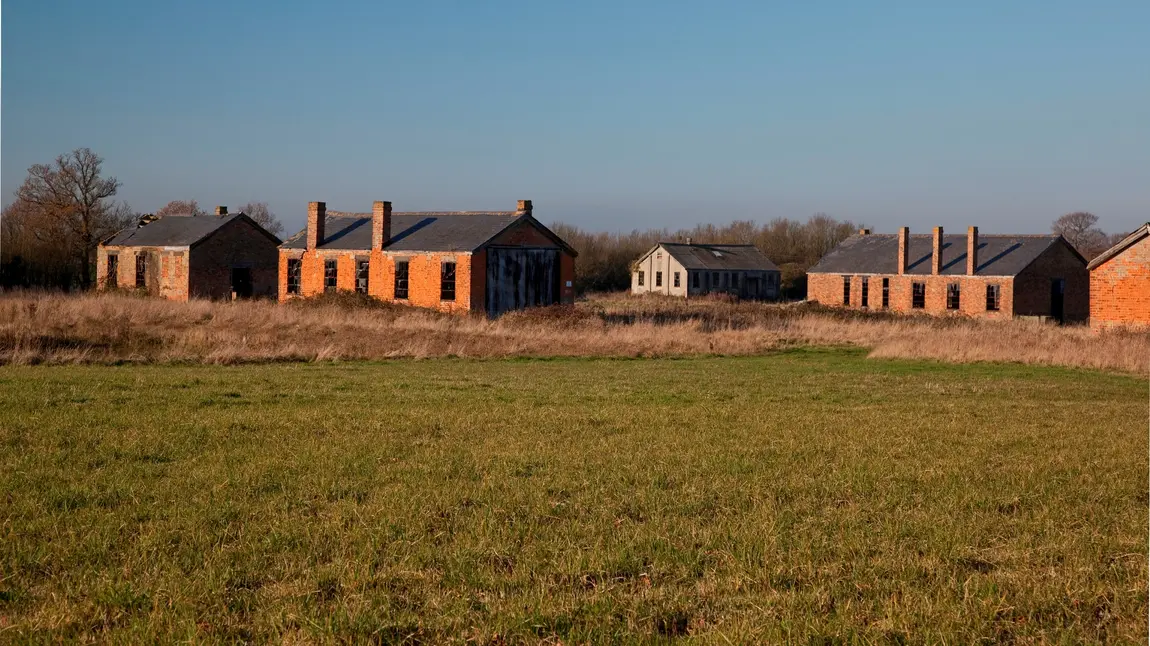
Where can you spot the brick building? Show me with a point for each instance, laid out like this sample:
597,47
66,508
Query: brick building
679,269
1120,283
491,261
995,276
179,257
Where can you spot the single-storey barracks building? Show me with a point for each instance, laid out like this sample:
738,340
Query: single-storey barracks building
179,257
997,276
1120,283
490,261
685,269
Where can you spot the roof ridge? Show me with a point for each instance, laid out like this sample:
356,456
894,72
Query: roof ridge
453,213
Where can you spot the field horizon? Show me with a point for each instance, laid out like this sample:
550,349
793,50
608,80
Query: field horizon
809,495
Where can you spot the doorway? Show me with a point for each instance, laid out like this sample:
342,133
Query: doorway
242,282
1057,298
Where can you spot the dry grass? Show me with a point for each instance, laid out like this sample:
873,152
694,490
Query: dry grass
120,328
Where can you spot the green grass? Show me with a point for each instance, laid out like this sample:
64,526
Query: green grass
808,496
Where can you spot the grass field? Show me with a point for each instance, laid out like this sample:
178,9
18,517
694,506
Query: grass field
806,496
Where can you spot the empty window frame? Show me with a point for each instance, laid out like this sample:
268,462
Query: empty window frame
641,276
362,269
113,277
734,280
330,274
676,279
401,279
885,293
953,296
918,296
992,301
447,281
695,279
141,270
864,299
294,270
846,290
658,279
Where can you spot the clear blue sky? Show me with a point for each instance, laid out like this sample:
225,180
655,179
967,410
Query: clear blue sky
610,115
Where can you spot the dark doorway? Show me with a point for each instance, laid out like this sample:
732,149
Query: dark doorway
242,282
520,278
1057,298
752,289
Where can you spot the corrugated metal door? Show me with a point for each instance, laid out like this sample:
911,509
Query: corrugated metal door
518,278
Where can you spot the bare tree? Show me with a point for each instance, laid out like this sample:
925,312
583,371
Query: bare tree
68,203
180,207
263,216
1080,231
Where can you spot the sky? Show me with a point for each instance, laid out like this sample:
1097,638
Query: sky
610,115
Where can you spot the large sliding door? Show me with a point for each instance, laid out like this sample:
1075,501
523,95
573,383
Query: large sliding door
518,278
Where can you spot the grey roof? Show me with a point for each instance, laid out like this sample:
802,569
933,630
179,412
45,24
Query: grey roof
877,253
727,257
1123,245
171,231
420,231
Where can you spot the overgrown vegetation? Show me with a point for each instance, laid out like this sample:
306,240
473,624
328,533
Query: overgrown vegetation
802,497
112,328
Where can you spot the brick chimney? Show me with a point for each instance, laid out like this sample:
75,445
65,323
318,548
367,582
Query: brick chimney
316,219
221,211
380,224
903,248
936,253
523,207
971,250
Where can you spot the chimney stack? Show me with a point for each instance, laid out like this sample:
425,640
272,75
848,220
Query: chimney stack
221,211
864,232
903,248
936,253
523,207
380,225
971,250
316,219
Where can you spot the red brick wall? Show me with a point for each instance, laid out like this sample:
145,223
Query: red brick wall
827,289
423,275
236,244
1032,285
1120,289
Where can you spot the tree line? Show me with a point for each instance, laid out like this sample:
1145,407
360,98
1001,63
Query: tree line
63,210
49,233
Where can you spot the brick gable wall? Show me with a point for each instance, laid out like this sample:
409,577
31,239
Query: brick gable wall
1032,285
237,244
1120,289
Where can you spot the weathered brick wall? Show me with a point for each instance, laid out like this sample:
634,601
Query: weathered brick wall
167,273
1032,285
828,290
236,244
1120,289
423,275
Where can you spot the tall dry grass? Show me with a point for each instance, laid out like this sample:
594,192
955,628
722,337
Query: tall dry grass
49,328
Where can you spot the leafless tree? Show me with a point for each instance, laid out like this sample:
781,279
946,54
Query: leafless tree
67,204
1080,230
263,216
180,207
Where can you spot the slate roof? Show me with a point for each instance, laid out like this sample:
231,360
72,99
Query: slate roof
413,231
724,257
877,253
1127,242
172,231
